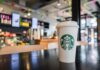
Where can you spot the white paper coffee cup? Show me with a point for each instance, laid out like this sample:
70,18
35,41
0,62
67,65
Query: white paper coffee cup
67,34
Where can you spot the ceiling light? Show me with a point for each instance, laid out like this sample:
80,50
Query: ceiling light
58,4
29,14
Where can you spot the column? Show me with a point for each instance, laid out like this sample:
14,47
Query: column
76,15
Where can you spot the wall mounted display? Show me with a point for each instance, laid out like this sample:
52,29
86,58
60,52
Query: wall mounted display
46,25
15,20
5,19
24,22
34,23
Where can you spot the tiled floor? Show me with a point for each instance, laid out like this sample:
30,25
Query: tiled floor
87,58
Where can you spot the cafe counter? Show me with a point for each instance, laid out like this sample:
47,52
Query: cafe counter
44,44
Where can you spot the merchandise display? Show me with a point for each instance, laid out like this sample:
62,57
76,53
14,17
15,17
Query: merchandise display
17,31
12,39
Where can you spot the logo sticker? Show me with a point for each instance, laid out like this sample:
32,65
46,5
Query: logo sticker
67,42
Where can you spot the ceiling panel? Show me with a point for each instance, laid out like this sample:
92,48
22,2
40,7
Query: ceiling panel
50,6
36,4
33,4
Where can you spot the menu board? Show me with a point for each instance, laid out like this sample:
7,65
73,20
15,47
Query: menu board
5,19
34,23
15,20
24,22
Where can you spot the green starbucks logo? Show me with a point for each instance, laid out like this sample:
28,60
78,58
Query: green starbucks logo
67,42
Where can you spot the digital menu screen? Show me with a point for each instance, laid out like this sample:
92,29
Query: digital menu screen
25,22
5,19
15,20
34,23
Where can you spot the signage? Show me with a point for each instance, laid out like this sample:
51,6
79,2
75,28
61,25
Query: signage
15,20
34,23
24,22
5,19
67,42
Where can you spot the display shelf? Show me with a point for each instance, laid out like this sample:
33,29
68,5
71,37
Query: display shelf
20,49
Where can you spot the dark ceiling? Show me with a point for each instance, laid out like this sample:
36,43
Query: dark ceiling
34,4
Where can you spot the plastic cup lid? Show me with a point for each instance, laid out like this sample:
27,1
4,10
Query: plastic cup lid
68,24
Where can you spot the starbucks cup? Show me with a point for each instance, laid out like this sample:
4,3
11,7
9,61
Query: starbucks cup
67,39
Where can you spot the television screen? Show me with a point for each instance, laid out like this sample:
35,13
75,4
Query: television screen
15,20
5,19
34,23
46,25
24,22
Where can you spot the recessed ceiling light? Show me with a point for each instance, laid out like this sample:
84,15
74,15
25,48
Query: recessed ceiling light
58,4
